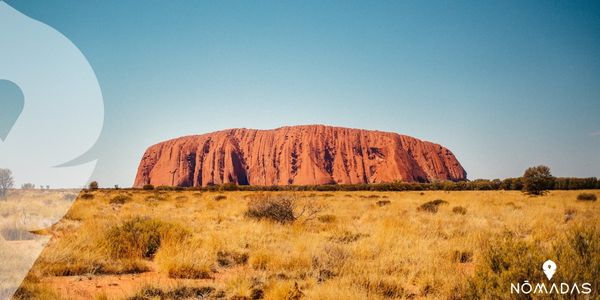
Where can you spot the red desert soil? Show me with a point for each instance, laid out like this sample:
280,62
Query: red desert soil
127,285
300,155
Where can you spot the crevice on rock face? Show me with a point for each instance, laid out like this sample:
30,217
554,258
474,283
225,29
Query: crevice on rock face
301,155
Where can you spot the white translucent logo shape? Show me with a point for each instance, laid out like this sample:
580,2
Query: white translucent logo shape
549,268
60,119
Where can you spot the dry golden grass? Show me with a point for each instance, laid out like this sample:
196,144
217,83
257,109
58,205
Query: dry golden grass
354,248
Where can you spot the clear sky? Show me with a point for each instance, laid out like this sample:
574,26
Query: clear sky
503,84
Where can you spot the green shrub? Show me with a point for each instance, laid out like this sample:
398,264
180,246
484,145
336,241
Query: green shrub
537,180
587,197
148,187
140,237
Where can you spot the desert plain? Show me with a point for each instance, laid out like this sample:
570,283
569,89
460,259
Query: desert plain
164,244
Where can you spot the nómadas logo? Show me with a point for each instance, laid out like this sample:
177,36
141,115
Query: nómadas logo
549,268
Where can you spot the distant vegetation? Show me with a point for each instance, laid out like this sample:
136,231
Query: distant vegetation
6,181
508,184
93,185
27,186
537,180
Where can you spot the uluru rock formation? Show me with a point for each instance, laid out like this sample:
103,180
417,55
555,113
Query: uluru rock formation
299,155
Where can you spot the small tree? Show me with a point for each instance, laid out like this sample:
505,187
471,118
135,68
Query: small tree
537,180
28,186
6,181
93,185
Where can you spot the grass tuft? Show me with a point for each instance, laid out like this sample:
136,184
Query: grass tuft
587,197
277,209
459,210
432,206
140,237
120,199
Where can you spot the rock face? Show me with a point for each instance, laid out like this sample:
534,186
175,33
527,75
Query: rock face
299,155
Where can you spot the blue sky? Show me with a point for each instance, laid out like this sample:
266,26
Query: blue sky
504,84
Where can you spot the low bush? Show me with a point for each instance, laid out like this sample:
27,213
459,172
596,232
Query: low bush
459,210
220,197
169,188
432,206
140,237
278,209
231,258
93,185
120,199
327,218
587,197
148,187
87,196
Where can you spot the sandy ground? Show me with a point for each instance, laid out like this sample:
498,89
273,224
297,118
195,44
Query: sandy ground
126,285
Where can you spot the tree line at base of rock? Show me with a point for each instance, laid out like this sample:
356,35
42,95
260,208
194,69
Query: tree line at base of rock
509,184
535,181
